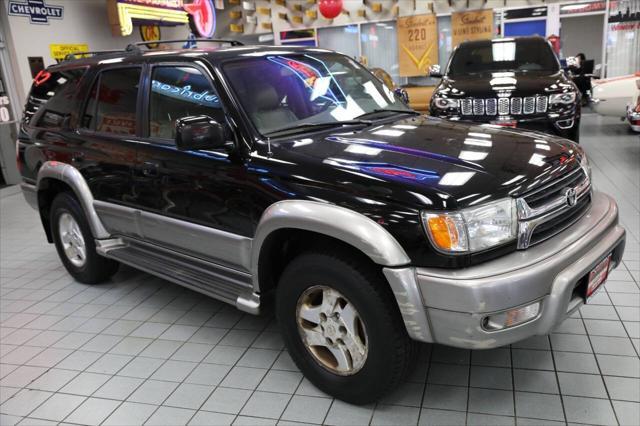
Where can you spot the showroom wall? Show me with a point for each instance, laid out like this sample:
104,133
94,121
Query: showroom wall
84,21
576,39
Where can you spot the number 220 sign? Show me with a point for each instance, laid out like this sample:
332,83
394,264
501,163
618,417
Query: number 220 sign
417,44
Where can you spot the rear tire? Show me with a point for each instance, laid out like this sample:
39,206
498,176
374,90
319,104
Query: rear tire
384,353
75,244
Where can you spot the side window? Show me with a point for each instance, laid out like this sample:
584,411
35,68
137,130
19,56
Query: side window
178,92
112,102
53,97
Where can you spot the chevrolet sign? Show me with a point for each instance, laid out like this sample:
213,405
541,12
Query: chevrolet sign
37,11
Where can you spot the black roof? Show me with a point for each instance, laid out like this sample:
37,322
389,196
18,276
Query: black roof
215,54
486,42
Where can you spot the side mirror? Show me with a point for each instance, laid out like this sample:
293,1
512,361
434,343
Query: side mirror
402,94
199,132
435,71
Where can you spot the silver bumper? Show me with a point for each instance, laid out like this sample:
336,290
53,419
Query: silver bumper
454,302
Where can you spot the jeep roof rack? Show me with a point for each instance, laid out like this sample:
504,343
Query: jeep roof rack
204,40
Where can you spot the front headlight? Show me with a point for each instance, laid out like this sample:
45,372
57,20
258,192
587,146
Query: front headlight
563,98
584,163
444,103
472,229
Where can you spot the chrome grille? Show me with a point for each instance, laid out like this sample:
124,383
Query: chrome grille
529,105
541,104
467,106
478,107
548,210
516,105
503,106
490,106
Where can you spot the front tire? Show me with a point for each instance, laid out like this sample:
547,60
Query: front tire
342,327
75,244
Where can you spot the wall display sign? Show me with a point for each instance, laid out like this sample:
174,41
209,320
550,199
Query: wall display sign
59,51
471,25
417,44
37,11
199,14
5,114
150,33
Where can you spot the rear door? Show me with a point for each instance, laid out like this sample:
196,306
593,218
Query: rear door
108,133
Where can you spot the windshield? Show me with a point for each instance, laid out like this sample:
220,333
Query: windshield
282,91
503,55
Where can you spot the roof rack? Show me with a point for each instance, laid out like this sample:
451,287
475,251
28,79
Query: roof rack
204,40
78,55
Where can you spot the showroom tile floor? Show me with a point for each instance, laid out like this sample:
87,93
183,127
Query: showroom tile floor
142,350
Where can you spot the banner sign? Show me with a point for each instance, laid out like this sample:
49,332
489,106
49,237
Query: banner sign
59,51
199,14
417,44
37,10
472,25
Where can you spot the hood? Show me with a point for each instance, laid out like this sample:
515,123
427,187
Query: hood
435,163
488,85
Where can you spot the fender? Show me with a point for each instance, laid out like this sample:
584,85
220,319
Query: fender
72,177
334,221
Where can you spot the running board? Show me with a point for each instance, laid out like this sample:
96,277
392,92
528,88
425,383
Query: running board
220,282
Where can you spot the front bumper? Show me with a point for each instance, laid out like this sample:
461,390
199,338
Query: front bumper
454,302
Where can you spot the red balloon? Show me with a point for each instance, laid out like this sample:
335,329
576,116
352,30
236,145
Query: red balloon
330,8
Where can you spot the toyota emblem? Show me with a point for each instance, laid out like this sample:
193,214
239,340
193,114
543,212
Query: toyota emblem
571,196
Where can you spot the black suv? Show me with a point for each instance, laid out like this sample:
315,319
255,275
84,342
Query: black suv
292,177
508,82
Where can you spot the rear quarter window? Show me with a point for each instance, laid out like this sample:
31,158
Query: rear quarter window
54,98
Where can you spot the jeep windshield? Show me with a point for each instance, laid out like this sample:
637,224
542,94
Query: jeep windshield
299,92
516,55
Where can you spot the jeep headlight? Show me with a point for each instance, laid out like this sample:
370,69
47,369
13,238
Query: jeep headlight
472,229
445,103
562,98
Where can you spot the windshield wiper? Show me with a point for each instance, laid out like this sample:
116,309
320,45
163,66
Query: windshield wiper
395,110
303,127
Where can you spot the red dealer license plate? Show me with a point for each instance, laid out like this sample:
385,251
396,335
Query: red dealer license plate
598,276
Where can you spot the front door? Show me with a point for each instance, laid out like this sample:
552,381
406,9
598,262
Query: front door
203,203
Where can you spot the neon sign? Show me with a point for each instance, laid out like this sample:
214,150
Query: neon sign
199,14
186,94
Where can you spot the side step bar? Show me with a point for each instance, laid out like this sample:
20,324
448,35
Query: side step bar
220,282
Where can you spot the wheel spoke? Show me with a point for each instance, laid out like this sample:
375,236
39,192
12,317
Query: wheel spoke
311,313
356,349
329,300
349,317
342,357
314,336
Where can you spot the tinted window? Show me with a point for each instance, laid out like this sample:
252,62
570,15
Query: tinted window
53,97
111,106
178,92
509,55
285,91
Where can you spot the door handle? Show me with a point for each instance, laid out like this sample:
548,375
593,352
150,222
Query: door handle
150,168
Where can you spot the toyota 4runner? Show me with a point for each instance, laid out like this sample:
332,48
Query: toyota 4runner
293,175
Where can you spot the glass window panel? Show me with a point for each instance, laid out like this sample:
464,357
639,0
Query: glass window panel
380,47
178,92
117,99
340,39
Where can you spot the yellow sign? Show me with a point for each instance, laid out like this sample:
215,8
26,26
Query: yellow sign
417,44
472,25
59,51
122,13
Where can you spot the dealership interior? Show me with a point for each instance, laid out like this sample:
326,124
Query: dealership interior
209,217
